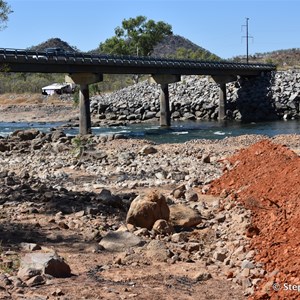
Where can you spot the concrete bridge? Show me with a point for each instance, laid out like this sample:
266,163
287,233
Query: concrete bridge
85,69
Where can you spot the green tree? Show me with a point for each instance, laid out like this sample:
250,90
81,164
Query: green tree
137,36
5,10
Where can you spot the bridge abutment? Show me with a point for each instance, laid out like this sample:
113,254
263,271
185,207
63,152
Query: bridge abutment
84,79
164,80
221,81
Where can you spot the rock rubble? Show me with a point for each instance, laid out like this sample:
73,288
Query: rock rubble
66,195
272,96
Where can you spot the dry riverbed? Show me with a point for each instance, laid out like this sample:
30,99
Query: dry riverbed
72,200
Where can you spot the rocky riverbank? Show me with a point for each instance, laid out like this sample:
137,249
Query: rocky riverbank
270,97
273,96
82,202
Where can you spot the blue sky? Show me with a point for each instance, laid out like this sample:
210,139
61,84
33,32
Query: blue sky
215,25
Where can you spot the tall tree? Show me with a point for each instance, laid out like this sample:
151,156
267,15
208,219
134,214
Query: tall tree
5,10
136,36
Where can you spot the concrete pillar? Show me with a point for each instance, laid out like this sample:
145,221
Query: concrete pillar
165,114
85,123
163,80
222,102
84,79
221,80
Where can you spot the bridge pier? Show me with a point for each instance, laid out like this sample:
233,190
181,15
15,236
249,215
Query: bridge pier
84,79
163,80
221,81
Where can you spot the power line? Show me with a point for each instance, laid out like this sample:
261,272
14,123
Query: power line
247,37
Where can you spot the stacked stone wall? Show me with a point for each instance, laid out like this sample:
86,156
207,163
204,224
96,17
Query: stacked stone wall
271,96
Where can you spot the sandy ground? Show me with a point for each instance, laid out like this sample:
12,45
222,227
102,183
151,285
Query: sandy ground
37,108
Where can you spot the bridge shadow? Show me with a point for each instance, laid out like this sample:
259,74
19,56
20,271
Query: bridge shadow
254,100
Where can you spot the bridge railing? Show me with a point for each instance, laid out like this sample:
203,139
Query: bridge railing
129,60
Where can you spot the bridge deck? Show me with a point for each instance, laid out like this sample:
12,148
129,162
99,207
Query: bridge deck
15,60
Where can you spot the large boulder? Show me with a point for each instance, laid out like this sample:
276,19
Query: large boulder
145,210
33,264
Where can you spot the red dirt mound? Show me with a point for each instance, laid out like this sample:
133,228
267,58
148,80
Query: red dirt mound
266,178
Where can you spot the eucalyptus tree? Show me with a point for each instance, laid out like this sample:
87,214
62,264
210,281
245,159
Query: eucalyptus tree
136,36
5,10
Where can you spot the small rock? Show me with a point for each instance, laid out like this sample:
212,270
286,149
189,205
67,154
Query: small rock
206,158
146,150
246,264
191,196
142,232
63,225
245,272
4,280
192,247
157,251
184,216
119,241
57,292
202,275
219,256
36,280
179,191
252,231
80,214
179,237
220,218
162,227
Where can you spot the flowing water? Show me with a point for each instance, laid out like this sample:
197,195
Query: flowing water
179,132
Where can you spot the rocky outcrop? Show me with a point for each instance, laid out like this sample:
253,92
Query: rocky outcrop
273,96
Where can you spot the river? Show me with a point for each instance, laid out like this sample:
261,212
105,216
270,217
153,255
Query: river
179,132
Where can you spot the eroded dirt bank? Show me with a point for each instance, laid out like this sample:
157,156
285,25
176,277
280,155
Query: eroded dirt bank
265,177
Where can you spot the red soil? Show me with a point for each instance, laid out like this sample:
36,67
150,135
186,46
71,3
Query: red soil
266,178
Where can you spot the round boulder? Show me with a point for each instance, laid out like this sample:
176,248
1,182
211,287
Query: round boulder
145,210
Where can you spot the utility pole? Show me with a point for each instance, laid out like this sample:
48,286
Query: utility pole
247,38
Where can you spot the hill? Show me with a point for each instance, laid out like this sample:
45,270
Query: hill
284,59
173,46
54,43
177,46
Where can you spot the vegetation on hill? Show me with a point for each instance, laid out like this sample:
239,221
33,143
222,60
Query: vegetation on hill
176,46
283,59
54,43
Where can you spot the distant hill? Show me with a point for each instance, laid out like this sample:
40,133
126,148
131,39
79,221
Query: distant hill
170,47
284,59
173,45
53,43
177,46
